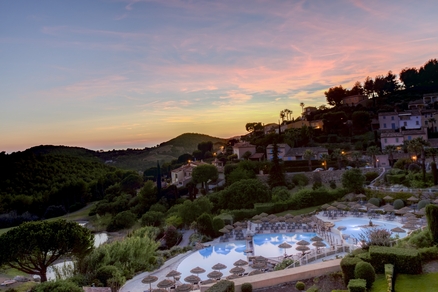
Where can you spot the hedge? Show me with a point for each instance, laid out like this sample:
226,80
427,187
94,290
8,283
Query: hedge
222,286
357,285
348,264
405,261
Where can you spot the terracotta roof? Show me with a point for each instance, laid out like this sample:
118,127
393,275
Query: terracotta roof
243,145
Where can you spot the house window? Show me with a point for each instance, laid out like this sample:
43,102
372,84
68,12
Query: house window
393,126
392,118
396,140
425,122
409,137
386,140
417,123
384,125
384,117
405,124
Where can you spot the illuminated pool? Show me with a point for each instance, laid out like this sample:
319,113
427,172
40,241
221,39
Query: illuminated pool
354,229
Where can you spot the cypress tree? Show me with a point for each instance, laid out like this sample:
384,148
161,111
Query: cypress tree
432,220
158,180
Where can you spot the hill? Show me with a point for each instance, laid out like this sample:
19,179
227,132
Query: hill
143,159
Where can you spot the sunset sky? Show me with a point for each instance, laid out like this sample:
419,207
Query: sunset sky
132,74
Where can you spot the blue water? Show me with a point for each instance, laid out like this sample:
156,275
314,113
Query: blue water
354,229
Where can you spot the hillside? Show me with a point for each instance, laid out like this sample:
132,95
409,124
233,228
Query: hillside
143,159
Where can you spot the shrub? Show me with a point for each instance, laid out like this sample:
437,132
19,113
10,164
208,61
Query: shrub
370,176
432,220
316,185
222,286
58,286
122,220
364,270
314,288
348,265
428,253
398,204
300,286
421,239
374,201
357,285
332,184
406,260
300,180
246,287
106,272
422,204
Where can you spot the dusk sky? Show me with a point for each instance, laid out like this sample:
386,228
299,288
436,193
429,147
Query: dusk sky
132,74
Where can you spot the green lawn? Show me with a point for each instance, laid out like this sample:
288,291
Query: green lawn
408,283
298,212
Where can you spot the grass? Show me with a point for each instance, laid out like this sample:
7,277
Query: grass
298,212
380,284
414,283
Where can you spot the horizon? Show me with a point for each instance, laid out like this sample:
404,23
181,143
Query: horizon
125,74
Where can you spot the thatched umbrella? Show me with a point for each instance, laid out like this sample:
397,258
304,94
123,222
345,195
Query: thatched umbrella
409,226
234,276
166,283
288,215
332,208
370,206
317,238
183,288
285,245
260,259
388,198
388,208
219,266
422,211
256,217
281,219
263,214
400,211
258,221
413,199
398,230
255,272
224,230
173,273
215,275
271,216
265,219
273,220
229,227
259,265
361,196
149,280
342,206
435,201
209,281
302,248
237,270
197,271
192,279
159,290
319,244
240,263
303,242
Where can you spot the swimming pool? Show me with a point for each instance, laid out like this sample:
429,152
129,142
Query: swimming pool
354,230
267,244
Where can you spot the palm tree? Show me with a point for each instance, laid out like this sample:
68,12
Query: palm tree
390,149
372,151
355,156
417,146
337,154
432,152
324,158
308,155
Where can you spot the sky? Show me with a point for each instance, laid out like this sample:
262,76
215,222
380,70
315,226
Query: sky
117,74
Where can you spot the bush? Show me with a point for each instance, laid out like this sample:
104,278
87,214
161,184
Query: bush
370,176
432,220
406,260
422,204
332,184
103,274
357,285
364,270
398,204
374,201
122,220
246,287
348,265
58,286
300,286
314,288
300,180
222,286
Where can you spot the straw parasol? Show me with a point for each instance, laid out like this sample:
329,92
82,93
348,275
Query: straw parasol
240,263
149,280
409,226
398,230
388,198
319,244
422,211
342,206
370,206
388,208
219,266
413,199
400,211
237,270
166,283
209,281
288,215
303,242
263,214
173,273
192,279
259,265
197,271
159,290
281,219
229,227
273,220
332,208
317,238
271,216
285,245
302,248
224,230
215,275
255,272
234,276
325,206
260,259
183,288
435,201
361,196
256,217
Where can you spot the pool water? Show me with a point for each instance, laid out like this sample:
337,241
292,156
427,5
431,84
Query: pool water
354,230
267,244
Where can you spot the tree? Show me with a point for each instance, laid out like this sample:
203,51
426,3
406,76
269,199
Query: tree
372,151
308,155
418,146
338,155
243,194
353,180
361,121
390,150
276,174
335,95
324,158
410,77
203,173
432,220
432,152
33,246
58,286
357,89
355,156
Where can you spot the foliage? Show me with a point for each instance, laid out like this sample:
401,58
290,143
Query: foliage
374,201
335,95
105,273
189,211
246,287
218,223
280,194
284,264
152,218
276,173
374,236
402,163
222,286
405,260
239,174
58,286
204,173
123,220
370,176
364,270
135,253
353,180
432,221
357,285
300,179
348,265
205,225
171,235
422,204
45,242
398,204
300,286
243,194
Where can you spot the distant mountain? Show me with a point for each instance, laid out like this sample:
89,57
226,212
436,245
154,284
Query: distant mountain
143,159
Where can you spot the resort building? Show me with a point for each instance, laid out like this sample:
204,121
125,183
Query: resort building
241,148
182,175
